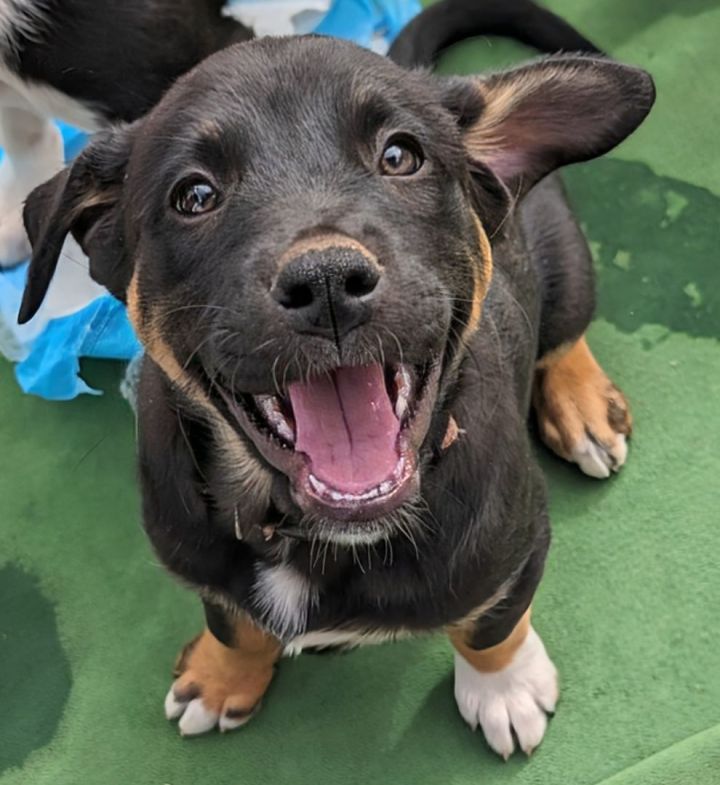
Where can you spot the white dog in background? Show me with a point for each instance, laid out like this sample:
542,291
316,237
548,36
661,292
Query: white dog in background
58,61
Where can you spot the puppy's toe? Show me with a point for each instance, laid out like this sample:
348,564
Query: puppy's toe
174,707
197,719
599,459
582,415
513,700
235,714
219,686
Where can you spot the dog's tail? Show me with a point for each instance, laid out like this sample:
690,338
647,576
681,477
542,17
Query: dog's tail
449,21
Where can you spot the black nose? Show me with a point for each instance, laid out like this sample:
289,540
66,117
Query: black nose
327,292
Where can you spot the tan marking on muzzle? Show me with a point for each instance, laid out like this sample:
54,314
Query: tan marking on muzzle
323,242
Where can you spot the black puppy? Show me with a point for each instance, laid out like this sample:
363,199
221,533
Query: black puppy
349,278
91,63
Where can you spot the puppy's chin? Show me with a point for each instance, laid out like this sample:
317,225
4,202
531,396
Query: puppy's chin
353,533
348,442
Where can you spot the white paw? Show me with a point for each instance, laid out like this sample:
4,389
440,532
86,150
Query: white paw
514,699
196,718
598,460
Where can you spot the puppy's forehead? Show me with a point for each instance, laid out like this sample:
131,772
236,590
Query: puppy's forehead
252,82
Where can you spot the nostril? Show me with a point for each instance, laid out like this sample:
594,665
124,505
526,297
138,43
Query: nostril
297,296
361,283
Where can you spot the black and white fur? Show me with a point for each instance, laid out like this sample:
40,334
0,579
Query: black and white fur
91,63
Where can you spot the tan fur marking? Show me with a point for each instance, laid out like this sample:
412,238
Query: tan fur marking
476,613
573,397
155,345
502,97
321,242
451,434
552,357
482,274
229,679
250,475
496,658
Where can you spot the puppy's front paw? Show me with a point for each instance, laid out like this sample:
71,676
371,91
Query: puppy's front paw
582,415
517,698
218,686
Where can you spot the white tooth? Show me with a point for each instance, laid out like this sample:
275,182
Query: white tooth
337,497
401,406
282,426
385,487
270,407
403,388
317,485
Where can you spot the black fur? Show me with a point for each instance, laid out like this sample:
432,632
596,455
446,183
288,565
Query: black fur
120,57
444,24
290,132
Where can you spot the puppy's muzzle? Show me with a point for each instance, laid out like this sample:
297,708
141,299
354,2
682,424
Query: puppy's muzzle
327,291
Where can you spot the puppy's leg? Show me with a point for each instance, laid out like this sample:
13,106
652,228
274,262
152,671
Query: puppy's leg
506,688
582,415
33,154
221,683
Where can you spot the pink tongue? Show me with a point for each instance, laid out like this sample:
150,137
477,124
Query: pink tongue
346,426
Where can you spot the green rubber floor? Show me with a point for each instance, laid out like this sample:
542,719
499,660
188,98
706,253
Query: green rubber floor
89,624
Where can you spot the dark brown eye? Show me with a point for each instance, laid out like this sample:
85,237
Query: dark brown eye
194,196
401,158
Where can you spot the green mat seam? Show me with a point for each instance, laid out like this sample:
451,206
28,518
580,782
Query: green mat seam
705,739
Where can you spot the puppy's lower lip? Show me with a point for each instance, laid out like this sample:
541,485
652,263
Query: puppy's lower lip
328,494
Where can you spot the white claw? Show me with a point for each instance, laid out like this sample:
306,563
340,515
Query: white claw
231,723
197,719
173,707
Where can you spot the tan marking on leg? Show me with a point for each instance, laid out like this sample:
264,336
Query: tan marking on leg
580,411
495,658
471,618
230,680
322,242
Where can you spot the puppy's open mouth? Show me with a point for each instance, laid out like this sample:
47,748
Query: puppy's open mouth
347,440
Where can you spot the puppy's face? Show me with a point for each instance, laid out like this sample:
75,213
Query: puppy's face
300,229
308,250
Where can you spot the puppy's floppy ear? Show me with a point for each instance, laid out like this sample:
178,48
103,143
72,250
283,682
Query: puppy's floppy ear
83,200
524,123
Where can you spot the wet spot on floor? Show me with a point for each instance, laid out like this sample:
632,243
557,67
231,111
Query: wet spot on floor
35,671
650,237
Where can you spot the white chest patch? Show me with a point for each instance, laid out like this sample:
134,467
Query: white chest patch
346,639
283,598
